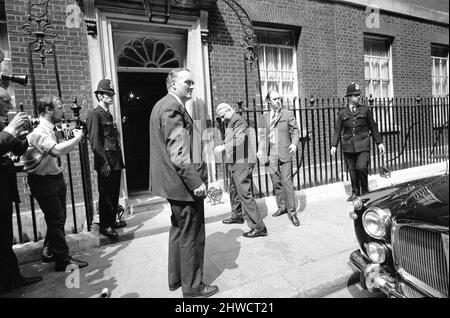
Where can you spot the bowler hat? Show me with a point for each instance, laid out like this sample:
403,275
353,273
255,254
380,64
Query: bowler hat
353,89
105,86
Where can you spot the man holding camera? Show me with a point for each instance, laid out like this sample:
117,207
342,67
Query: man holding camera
46,180
108,162
10,276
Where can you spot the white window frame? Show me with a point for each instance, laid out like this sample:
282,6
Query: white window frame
439,111
433,76
6,64
287,100
383,125
372,79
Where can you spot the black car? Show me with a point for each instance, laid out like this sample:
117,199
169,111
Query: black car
403,234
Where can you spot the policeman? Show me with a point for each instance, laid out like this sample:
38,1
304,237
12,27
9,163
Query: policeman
10,276
352,128
108,162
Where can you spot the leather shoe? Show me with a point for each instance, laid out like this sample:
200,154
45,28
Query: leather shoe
109,232
255,233
278,213
61,267
203,292
25,281
173,287
47,257
232,220
352,197
294,219
119,224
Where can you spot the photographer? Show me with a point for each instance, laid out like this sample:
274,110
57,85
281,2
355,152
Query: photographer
10,276
46,180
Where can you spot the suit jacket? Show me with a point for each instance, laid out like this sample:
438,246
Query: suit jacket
238,150
174,170
104,139
286,134
353,130
8,180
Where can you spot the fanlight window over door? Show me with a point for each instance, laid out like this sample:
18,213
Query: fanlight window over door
148,52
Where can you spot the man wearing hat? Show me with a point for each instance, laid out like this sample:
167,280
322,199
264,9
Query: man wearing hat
352,128
108,162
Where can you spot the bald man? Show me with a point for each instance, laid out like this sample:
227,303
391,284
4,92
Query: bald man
240,166
10,276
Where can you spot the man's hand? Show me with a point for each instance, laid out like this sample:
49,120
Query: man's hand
105,170
200,191
259,154
16,123
292,148
333,151
381,149
77,134
219,149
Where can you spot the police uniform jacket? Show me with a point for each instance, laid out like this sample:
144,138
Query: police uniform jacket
352,129
239,152
104,139
175,171
8,181
286,134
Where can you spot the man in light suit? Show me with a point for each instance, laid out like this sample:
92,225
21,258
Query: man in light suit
278,141
178,176
240,164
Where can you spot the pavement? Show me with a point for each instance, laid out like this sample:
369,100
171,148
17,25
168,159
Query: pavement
309,261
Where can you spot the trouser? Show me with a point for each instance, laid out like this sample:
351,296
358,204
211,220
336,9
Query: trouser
108,201
9,267
358,168
187,244
281,176
242,199
50,193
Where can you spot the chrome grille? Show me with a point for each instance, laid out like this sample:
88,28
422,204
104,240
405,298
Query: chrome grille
421,259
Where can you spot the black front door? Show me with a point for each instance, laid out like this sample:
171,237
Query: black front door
139,92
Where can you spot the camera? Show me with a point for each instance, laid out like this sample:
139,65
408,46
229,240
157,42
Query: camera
30,124
66,128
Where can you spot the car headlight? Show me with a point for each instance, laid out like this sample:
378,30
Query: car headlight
376,222
357,204
377,252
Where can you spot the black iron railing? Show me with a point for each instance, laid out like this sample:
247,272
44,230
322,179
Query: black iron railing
414,131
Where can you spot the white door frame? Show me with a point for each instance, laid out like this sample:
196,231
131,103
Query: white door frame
103,65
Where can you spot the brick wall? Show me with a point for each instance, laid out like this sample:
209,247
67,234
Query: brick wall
330,48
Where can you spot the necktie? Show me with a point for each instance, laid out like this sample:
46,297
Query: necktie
273,119
57,139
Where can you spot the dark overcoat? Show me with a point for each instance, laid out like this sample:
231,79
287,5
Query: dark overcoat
176,168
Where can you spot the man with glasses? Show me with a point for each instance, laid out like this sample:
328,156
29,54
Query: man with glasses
240,164
181,178
108,162
277,144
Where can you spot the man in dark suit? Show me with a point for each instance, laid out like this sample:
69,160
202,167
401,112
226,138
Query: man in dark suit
178,174
108,162
278,141
352,128
10,276
240,165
